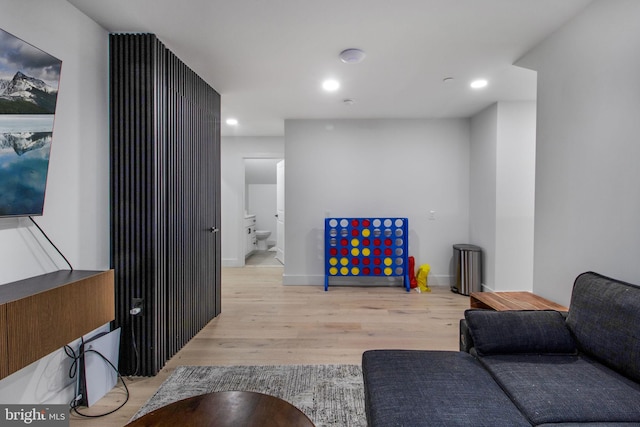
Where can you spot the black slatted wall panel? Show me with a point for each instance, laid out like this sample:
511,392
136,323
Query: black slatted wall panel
165,185
193,146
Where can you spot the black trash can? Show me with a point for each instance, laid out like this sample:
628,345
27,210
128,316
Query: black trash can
467,266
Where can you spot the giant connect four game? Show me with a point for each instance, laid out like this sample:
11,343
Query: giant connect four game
366,247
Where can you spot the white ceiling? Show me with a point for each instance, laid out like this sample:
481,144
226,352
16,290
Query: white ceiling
268,58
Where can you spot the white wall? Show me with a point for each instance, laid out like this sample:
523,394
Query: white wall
515,196
76,211
386,168
482,187
233,152
502,173
587,174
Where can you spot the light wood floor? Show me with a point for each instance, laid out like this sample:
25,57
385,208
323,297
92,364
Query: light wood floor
266,323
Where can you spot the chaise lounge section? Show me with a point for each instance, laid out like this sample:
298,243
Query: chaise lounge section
521,368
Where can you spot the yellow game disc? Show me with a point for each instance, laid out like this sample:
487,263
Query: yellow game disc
333,261
388,261
333,271
344,261
355,242
388,271
366,252
344,271
355,251
366,232
355,271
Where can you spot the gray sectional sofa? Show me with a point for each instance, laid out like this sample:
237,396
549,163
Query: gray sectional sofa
521,368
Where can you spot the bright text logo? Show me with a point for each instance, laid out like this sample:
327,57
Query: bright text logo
36,415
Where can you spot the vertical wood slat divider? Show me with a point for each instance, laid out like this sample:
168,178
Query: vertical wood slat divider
161,246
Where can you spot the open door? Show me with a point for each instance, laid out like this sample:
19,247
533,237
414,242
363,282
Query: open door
280,211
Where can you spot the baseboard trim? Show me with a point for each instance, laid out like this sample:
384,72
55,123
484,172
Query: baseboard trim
441,280
232,262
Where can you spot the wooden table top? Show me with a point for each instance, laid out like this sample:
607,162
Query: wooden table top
226,409
501,301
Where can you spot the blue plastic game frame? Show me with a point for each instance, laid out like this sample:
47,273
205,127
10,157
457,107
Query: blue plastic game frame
370,246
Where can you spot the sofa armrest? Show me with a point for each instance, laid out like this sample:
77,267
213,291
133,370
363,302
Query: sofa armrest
466,341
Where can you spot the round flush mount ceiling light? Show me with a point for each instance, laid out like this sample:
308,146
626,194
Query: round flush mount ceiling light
330,85
352,56
232,122
479,84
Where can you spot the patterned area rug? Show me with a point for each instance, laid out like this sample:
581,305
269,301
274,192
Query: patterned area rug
330,395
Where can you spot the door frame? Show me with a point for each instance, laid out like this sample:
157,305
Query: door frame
250,156
280,214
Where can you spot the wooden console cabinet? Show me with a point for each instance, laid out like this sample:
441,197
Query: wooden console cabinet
41,314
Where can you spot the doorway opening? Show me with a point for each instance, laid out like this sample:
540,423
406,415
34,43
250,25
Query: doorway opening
264,212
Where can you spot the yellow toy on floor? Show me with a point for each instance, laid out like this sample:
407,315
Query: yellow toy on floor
421,277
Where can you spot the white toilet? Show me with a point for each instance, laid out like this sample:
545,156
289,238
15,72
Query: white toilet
262,236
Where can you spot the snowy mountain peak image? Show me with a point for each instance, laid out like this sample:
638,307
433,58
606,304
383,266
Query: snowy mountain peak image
26,95
22,82
29,78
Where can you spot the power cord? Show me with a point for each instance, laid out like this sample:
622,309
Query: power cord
73,370
135,350
52,244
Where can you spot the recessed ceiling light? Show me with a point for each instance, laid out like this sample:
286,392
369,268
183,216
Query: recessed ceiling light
479,84
352,56
232,122
330,85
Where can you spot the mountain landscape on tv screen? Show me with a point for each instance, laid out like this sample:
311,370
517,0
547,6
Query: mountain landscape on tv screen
29,79
27,95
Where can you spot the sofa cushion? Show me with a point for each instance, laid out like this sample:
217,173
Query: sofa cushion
519,332
604,317
567,389
433,388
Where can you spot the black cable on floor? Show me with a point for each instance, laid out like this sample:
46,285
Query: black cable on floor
73,370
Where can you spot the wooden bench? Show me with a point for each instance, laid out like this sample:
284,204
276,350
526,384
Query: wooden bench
501,301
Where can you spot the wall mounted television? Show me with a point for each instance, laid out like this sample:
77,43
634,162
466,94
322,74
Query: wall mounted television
29,80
